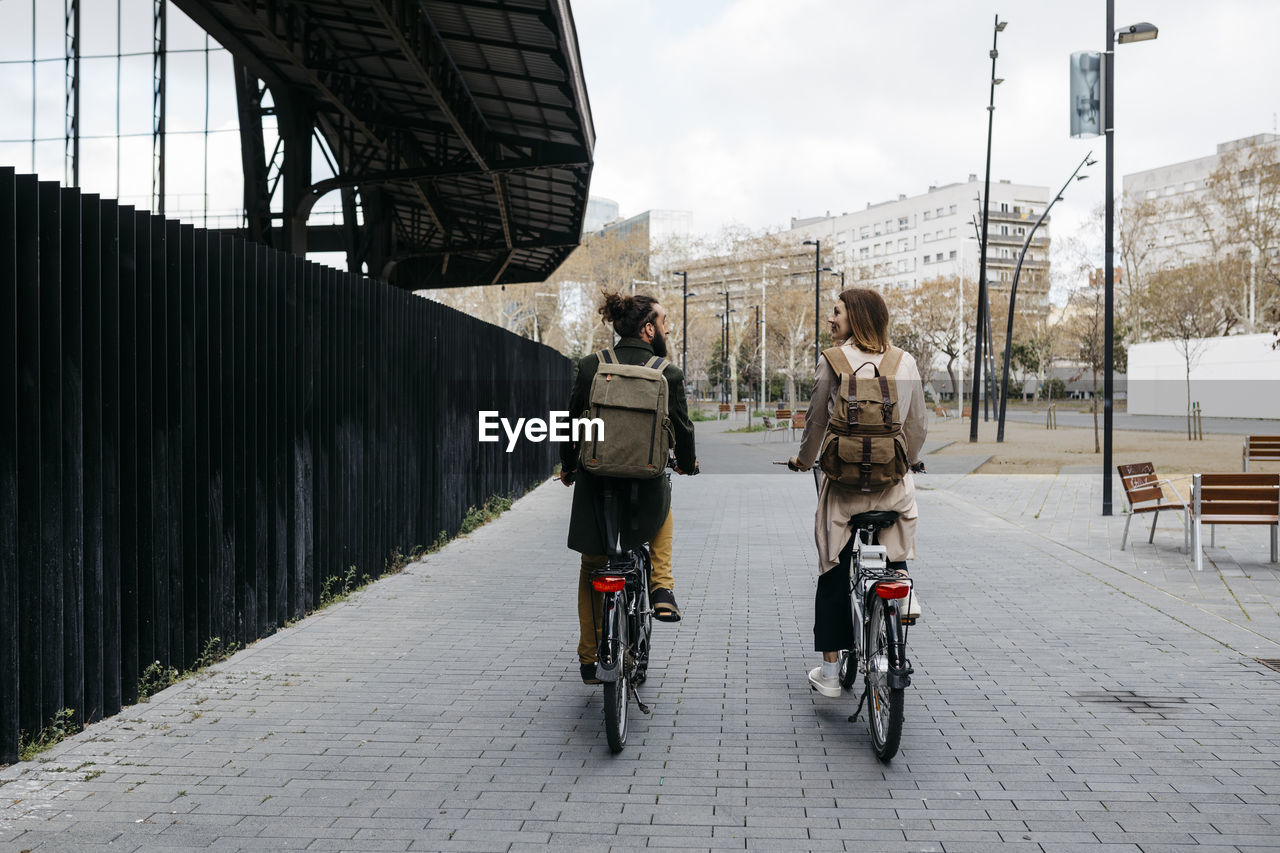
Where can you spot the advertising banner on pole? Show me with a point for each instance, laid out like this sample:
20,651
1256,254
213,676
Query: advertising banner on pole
1086,93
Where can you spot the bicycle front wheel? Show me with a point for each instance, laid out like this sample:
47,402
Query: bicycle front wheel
615,692
885,713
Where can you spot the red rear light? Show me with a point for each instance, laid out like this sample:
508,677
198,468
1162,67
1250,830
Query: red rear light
892,589
608,583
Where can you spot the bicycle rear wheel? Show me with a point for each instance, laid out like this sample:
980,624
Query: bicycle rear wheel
615,692
884,716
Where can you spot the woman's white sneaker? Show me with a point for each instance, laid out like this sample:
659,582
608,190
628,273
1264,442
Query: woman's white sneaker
827,686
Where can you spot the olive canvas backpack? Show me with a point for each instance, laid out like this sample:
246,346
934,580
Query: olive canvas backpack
631,402
864,447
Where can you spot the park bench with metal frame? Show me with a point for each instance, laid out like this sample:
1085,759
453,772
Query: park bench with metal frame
1260,448
1145,493
1234,499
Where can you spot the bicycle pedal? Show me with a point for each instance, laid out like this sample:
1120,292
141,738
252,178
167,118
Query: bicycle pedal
910,620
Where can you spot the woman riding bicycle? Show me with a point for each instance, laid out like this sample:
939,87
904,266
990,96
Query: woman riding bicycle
860,326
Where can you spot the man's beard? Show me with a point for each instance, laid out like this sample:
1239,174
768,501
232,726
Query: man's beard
659,343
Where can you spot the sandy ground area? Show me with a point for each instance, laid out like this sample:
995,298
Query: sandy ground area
1032,449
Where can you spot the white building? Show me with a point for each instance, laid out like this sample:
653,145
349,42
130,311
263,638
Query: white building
1232,377
934,235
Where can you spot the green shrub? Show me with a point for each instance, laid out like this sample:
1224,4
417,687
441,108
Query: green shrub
63,725
215,650
154,678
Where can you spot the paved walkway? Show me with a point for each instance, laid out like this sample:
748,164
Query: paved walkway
1067,696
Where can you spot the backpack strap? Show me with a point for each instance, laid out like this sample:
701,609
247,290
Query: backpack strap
888,367
838,360
657,363
608,356
892,358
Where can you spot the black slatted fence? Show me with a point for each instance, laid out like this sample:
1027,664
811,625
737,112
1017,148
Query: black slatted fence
197,431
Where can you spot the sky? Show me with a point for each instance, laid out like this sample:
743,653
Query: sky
744,112
755,111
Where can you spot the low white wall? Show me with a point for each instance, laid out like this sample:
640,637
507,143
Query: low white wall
1234,377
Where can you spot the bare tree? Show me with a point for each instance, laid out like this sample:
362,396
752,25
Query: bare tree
1240,214
1191,311
932,309
790,330
1137,224
1085,334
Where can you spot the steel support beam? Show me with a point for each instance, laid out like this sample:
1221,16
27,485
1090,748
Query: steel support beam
160,36
253,159
71,143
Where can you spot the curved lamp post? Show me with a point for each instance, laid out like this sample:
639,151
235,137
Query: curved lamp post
982,238
1013,290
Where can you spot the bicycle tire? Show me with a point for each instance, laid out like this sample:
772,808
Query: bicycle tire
615,692
885,703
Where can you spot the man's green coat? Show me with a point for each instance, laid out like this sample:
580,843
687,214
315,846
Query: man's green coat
653,496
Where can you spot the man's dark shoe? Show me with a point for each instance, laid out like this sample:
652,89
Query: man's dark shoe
664,605
589,673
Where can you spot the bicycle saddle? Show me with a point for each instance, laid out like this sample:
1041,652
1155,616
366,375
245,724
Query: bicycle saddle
879,519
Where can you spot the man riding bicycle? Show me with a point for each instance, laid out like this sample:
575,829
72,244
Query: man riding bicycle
641,323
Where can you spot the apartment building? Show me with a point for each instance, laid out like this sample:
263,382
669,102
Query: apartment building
934,235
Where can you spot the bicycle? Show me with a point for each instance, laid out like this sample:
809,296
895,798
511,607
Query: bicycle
626,623
878,595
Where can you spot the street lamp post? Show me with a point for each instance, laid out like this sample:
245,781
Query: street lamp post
724,350
1013,290
982,251
817,287
760,344
841,274
1136,32
684,319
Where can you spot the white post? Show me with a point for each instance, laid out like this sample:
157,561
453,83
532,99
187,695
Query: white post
764,346
960,343
1195,524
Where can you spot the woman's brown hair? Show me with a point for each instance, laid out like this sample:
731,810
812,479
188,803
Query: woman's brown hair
868,319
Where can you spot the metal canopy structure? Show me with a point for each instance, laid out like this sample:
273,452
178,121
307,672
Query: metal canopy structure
463,125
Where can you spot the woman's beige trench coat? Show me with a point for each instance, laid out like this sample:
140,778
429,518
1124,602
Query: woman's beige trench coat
837,503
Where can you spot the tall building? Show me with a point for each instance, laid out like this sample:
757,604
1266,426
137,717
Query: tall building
665,233
934,235
600,212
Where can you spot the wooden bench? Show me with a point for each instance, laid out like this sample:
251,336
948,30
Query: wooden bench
724,410
783,417
1234,499
739,409
771,426
797,423
1261,448
1145,493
